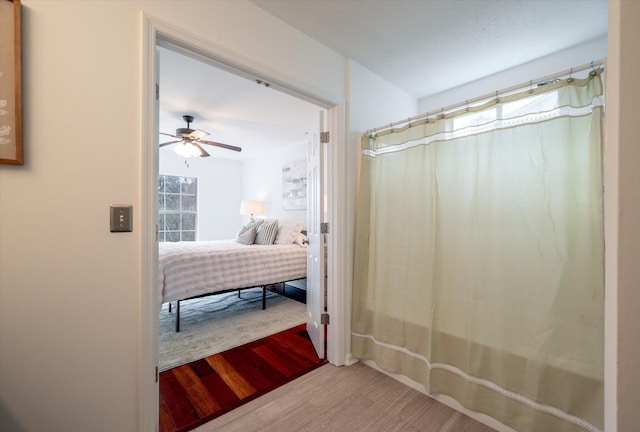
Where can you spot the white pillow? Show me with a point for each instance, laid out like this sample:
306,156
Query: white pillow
288,230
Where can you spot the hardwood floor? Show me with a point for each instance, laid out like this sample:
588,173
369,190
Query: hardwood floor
350,398
199,391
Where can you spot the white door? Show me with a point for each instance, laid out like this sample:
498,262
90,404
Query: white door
315,249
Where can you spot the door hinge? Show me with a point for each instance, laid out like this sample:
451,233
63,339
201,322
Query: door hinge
324,318
156,374
324,137
157,91
324,228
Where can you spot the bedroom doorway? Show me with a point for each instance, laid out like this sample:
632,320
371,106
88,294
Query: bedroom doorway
217,98
157,33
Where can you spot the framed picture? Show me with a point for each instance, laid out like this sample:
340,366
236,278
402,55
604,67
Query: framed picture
10,83
294,185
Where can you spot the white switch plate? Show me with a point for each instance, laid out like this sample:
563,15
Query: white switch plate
121,217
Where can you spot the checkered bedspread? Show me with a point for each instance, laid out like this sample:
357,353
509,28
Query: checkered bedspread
189,269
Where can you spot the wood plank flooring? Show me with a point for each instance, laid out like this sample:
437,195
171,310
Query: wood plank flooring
350,398
202,390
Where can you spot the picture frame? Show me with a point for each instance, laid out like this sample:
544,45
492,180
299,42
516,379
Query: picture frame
11,150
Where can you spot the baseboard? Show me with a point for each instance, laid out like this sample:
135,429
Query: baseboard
351,360
447,400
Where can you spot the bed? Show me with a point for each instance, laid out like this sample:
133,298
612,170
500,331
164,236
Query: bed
194,269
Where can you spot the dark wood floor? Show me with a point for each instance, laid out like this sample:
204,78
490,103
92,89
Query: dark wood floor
205,389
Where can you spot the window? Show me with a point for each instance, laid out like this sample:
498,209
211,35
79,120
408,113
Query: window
506,114
177,207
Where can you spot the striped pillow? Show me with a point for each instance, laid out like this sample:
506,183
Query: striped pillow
266,232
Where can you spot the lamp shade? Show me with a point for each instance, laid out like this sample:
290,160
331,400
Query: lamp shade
251,208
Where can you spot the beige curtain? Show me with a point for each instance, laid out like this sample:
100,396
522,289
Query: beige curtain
479,256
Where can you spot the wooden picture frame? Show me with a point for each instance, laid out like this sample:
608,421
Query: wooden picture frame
10,83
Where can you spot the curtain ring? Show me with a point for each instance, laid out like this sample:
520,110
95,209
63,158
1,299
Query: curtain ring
593,70
467,105
530,86
391,127
497,98
409,122
441,116
570,79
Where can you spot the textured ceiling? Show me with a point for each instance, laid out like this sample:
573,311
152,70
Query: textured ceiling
429,46
424,47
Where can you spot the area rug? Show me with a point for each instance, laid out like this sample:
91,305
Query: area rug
213,324
197,392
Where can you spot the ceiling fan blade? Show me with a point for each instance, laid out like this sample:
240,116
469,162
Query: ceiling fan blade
173,136
217,144
170,142
196,134
204,153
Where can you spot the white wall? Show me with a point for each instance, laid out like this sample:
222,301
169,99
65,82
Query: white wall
262,181
219,192
374,101
622,328
70,289
578,55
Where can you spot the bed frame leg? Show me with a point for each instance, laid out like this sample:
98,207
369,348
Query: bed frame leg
177,316
264,297
238,293
169,307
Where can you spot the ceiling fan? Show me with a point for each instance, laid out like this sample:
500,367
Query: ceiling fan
190,140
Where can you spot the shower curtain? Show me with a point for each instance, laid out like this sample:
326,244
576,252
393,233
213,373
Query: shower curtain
479,262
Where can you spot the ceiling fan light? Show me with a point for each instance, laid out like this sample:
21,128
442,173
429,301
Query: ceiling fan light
188,150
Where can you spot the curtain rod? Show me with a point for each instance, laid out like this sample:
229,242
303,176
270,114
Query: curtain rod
487,96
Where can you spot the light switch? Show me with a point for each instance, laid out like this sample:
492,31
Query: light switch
121,218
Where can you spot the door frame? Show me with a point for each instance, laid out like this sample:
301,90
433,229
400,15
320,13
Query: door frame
157,32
